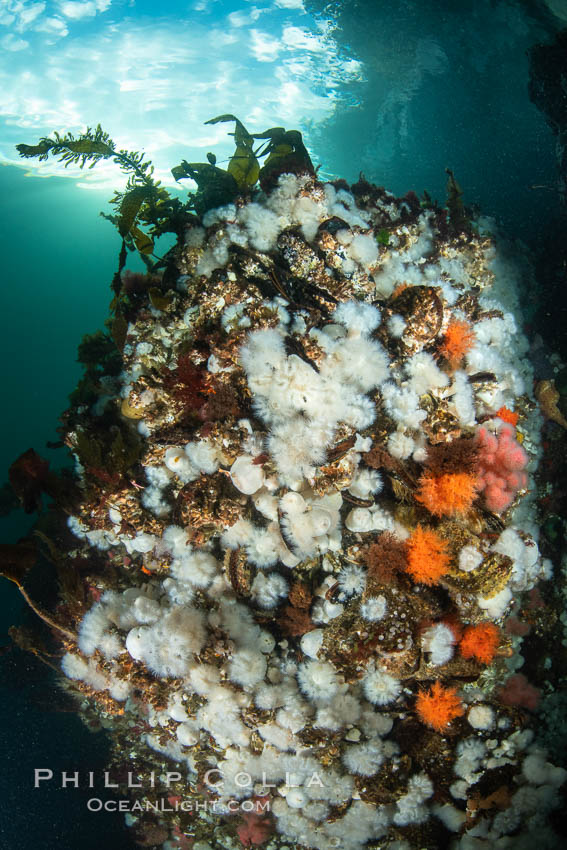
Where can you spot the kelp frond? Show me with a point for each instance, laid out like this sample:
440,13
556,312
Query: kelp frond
459,219
283,149
145,203
142,198
92,145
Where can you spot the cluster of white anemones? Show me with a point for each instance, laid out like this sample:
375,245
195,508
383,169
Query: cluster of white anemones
299,409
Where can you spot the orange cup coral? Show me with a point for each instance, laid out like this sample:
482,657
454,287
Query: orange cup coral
449,494
438,706
428,559
480,642
458,339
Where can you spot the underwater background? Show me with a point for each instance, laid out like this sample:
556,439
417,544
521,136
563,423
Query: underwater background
397,90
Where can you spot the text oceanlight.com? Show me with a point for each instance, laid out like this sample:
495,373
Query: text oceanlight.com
168,804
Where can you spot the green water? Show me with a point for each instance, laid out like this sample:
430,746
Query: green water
58,259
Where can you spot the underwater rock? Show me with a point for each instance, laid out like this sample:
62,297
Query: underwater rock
269,621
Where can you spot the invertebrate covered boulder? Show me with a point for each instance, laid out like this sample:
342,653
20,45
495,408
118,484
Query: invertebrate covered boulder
262,570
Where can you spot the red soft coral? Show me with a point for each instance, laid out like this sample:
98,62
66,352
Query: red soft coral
502,461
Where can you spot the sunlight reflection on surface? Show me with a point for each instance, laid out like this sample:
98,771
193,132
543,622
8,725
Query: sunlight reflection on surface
153,81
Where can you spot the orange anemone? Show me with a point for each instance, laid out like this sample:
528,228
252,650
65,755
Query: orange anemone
449,494
438,706
458,339
507,415
480,642
428,559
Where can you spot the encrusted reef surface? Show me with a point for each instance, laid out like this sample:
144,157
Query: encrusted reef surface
304,581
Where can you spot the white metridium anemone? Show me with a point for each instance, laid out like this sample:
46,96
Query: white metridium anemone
342,710
93,626
374,723
357,316
177,461
281,739
369,519
358,363
203,455
238,534
247,476
178,592
146,610
75,667
400,445
365,482
471,752
262,225
264,545
175,540
396,325
410,808
374,608
310,525
380,688
269,696
187,735
469,558
481,716
364,249
424,373
297,446
296,798
195,568
221,717
264,351
402,404
247,667
142,542
266,503
351,580
311,642
318,680
364,759
439,641
269,590
167,647
158,476
204,678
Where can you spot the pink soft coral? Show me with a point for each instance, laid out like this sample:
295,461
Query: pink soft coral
518,691
501,467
